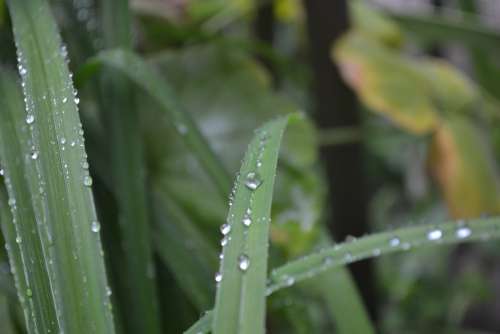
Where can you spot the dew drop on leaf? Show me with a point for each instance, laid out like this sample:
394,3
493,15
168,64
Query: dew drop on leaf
394,242
463,232
30,119
218,277
95,226
87,181
225,229
243,262
434,235
253,181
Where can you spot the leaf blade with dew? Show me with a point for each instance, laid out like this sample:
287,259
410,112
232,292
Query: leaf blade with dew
121,120
143,75
240,299
58,177
26,252
375,245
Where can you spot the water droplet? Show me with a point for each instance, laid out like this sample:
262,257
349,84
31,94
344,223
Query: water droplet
19,239
463,232
77,100
108,291
289,280
2,172
243,262
247,220
64,100
394,242
376,252
182,129
30,119
434,235
63,140
95,226
85,165
225,229
87,181
224,241
34,155
218,277
221,256
253,181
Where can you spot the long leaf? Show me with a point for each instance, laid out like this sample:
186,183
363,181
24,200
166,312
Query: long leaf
144,76
190,257
57,174
375,245
437,28
121,121
240,301
26,255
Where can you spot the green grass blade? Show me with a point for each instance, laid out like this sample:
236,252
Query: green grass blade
240,300
340,294
121,121
145,77
26,255
435,28
190,257
203,325
374,245
57,174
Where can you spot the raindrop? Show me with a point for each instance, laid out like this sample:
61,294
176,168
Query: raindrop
225,229
64,100
394,242
95,226
224,241
34,155
434,235
247,220
182,129
218,277
221,256
463,232
19,239
85,165
87,181
108,291
63,140
2,172
243,262
30,119
253,181
77,100
376,252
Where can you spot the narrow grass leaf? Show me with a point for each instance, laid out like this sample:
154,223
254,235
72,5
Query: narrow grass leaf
121,120
434,28
203,325
185,251
57,174
26,252
375,245
145,77
240,301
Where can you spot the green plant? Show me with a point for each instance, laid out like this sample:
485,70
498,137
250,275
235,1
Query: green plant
159,167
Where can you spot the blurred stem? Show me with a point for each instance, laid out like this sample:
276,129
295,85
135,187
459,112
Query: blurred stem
339,136
128,179
264,30
336,107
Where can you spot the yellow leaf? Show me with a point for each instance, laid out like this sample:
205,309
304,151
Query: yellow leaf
463,164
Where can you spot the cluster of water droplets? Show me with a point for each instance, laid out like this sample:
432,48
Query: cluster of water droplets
341,254
252,181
